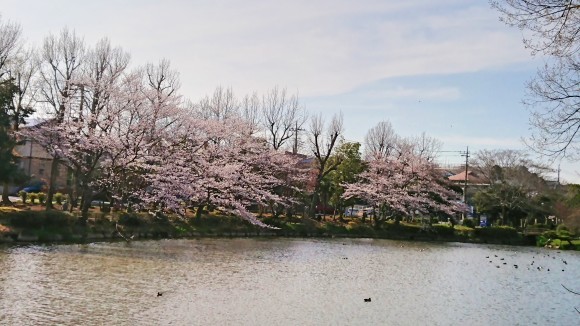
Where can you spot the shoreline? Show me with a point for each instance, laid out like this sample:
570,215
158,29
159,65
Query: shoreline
50,237
58,227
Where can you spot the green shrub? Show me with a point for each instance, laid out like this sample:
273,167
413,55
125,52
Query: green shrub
469,223
550,234
463,231
23,194
59,197
42,197
33,197
563,231
542,240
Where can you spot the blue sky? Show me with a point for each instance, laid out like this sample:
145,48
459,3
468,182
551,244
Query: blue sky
448,68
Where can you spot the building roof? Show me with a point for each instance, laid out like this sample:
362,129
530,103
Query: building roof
471,177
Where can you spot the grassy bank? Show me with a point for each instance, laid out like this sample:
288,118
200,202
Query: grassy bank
28,225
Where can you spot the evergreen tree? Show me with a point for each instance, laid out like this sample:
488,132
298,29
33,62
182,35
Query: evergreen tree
8,161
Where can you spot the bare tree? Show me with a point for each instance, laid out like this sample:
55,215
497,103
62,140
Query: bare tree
222,105
250,111
554,24
322,146
60,61
282,116
512,166
426,147
552,28
381,140
10,42
162,86
554,97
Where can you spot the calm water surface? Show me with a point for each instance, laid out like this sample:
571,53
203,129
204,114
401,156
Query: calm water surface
286,282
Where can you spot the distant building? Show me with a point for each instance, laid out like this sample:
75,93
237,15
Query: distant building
36,163
472,178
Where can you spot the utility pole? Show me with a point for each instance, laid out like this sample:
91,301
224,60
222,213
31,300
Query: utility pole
466,154
295,147
558,182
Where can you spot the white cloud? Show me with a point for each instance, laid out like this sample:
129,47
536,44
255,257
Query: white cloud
439,93
316,47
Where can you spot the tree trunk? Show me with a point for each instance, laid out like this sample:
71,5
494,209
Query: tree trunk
51,186
314,203
503,215
5,192
199,211
397,219
86,200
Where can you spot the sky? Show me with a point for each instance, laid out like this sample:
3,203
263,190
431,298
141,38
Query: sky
448,68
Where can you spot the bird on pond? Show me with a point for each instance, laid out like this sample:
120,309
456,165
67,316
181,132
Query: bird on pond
368,300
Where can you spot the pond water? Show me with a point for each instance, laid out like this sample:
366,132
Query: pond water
287,282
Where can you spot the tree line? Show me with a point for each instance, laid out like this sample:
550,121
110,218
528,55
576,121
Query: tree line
127,131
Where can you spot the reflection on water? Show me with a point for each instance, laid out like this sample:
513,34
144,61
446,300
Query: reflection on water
286,282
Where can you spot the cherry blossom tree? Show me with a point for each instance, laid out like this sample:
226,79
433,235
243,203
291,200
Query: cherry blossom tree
216,163
399,185
79,135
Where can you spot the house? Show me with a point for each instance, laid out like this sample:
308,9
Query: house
36,163
472,178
